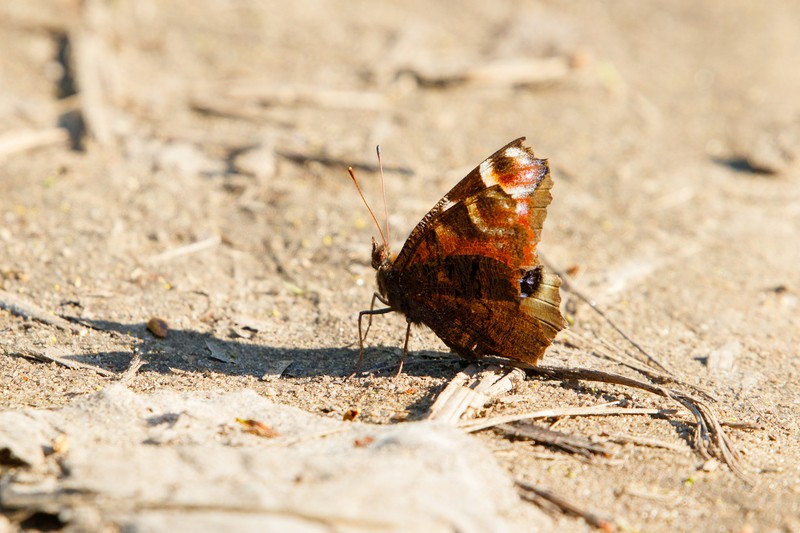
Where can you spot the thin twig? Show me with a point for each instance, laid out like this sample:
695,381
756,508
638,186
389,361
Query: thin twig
577,444
301,158
507,73
633,364
644,441
595,410
27,309
98,326
570,286
224,107
309,95
423,359
709,437
69,363
605,352
22,141
670,500
187,249
533,493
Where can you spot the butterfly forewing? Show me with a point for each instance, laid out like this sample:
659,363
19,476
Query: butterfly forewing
487,212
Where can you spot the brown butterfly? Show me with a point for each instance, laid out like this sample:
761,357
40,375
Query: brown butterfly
469,270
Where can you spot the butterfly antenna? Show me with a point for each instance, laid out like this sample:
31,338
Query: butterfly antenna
355,181
383,191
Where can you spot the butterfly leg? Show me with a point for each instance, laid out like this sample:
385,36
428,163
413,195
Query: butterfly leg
362,337
405,349
384,301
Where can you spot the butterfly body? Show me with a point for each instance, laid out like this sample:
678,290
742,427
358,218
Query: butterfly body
469,270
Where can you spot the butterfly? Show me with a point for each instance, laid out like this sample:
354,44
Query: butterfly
469,270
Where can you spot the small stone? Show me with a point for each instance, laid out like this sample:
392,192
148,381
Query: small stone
710,465
258,162
187,160
158,327
723,359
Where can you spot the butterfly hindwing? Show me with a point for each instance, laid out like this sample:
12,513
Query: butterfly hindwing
474,304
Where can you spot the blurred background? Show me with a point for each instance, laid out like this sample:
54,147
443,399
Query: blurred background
187,159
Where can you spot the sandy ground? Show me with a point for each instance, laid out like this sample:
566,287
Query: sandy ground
673,132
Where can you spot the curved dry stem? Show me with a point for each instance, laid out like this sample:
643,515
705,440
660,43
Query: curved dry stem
709,440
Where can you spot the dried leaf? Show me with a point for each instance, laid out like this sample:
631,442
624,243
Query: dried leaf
364,441
218,353
258,428
351,414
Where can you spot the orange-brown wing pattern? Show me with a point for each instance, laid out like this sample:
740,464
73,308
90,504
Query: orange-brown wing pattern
469,270
497,210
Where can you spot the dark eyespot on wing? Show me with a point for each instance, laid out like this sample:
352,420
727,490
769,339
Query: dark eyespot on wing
530,282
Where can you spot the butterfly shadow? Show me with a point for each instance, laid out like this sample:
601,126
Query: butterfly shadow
186,350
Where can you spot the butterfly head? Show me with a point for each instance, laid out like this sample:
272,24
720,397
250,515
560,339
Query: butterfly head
381,257
382,262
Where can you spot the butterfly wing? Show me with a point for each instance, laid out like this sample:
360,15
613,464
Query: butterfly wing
475,305
498,209
469,270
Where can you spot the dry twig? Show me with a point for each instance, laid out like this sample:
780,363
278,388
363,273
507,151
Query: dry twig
595,410
191,248
69,363
453,401
709,439
316,96
652,374
506,73
27,309
22,141
536,494
569,286
92,65
469,391
566,441
328,160
644,441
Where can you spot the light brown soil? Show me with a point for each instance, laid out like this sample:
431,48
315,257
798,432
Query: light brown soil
673,134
